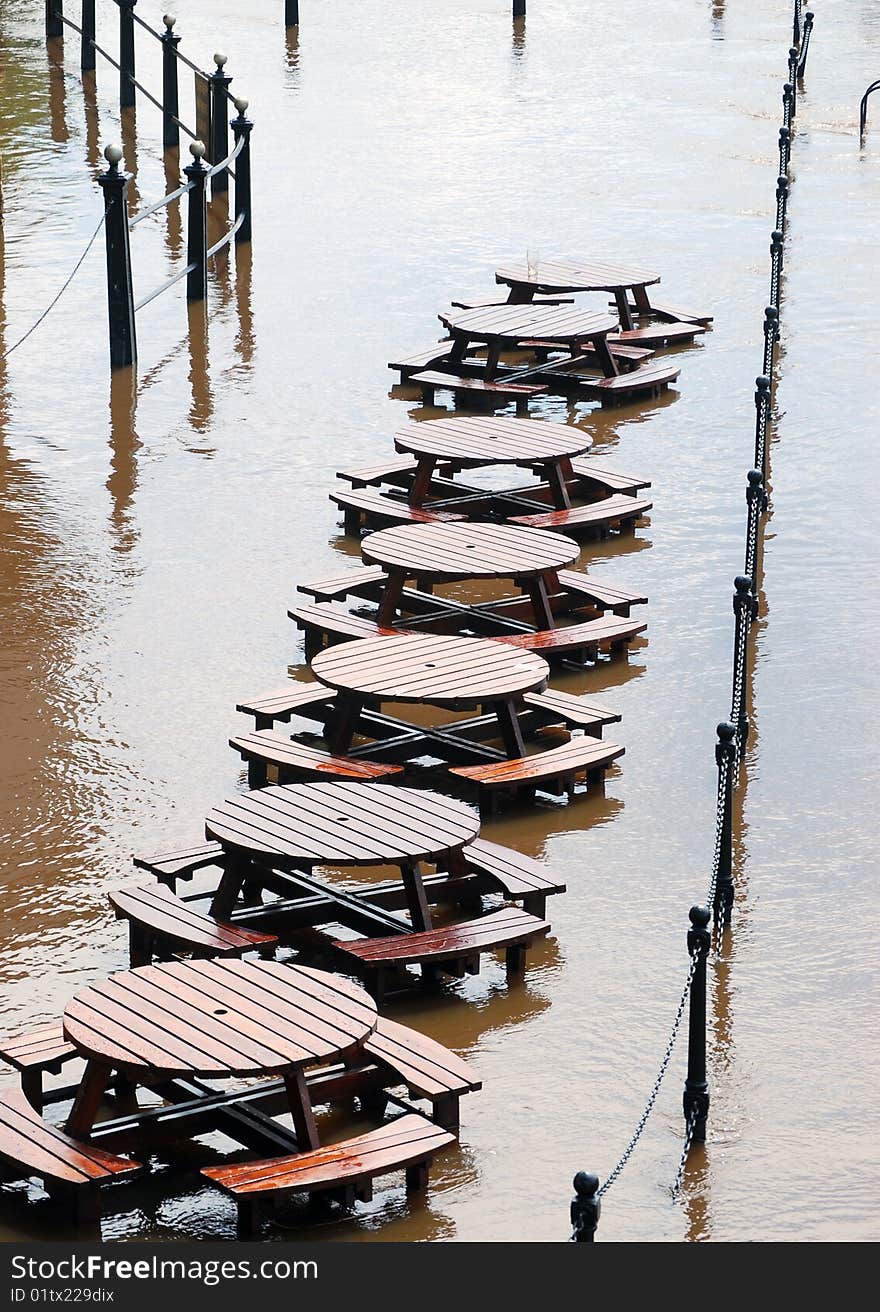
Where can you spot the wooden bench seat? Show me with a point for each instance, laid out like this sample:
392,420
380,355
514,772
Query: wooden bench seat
413,364
599,516
310,700
517,875
607,480
295,761
364,507
659,333
182,863
159,924
584,640
324,624
426,1068
454,948
493,390
673,313
492,298
573,712
650,380
560,766
628,356
29,1146
362,581
408,1143
42,1051
397,472
601,595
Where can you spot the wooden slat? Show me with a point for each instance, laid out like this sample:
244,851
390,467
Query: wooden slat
343,585
575,275
574,711
375,506
184,861
274,749
387,471
500,929
162,912
491,439
282,703
577,754
609,511
37,1049
424,1065
33,1147
494,387
602,594
612,479
517,874
601,632
461,551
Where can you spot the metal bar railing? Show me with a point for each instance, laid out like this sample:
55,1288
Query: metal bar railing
226,238
190,268
160,204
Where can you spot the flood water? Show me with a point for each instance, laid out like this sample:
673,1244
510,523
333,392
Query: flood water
154,527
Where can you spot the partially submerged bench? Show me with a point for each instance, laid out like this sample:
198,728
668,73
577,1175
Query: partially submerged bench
363,508
495,391
70,1170
583,641
42,1051
604,480
426,1068
659,333
160,924
648,380
325,622
600,517
346,1169
454,949
517,875
312,701
555,770
294,761
413,364
553,707
585,590
181,863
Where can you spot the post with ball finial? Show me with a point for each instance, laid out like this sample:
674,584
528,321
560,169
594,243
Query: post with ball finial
241,127
586,1207
696,1086
120,293
197,225
725,759
170,100
219,146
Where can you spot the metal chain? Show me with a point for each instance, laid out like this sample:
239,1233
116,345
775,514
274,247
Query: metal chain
51,306
686,1148
652,1097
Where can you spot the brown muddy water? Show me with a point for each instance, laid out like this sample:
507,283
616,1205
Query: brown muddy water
153,530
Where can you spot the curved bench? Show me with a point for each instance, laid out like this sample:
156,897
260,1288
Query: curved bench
426,1068
608,480
408,1143
518,876
364,581
182,863
39,1052
366,507
584,640
67,1167
601,595
573,712
310,700
559,766
493,390
159,922
296,761
601,517
324,621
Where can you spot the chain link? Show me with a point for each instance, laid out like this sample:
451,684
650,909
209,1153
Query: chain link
686,1148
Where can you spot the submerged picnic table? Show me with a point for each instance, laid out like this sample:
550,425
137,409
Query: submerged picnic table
444,670
506,326
300,826
214,1019
480,441
525,281
441,553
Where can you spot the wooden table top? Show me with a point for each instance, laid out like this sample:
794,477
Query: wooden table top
225,1017
489,440
469,551
342,823
561,323
574,276
431,667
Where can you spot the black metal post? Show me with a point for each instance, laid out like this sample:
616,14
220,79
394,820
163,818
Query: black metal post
793,56
291,13
519,8
725,758
756,503
54,15
784,148
744,612
777,242
781,201
241,127
170,100
805,44
796,24
120,293
87,46
219,145
771,331
585,1208
126,53
197,225
787,104
762,414
696,1086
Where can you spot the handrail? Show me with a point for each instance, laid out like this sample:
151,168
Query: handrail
166,200
226,238
863,111
224,163
165,285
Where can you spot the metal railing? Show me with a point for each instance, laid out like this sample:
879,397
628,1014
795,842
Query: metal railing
209,141
732,734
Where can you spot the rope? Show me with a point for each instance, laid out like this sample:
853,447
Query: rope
33,328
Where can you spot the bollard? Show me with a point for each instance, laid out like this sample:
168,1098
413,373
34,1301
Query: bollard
756,504
696,1086
126,53
781,201
784,149
805,45
744,610
586,1207
170,101
771,332
218,82
793,56
197,225
787,104
725,751
776,244
54,18
120,293
291,13
519,8
762,416
241,127
87,39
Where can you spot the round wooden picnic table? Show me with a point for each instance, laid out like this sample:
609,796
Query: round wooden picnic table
472,441
444,552
185,1019
358,824
526,280
437,669
501,326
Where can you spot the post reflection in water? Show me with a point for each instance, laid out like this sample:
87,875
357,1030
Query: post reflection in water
202,404
124,446
93,128
718,15
58,101
244,337
519,38
291,43
173,212
695,1195
129,148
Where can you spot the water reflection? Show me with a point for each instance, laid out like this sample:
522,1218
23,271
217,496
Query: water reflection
291,46
58,103
173,212
519,38
718,14
202,402
124,446
92,122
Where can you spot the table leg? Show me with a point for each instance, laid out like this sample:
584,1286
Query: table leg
520,294
422,482
558,487
301,1110
642,300
229,887
92,1088
621,296
341,727
391,597
606,359
537,590
460,345
511,734
416,898
493,355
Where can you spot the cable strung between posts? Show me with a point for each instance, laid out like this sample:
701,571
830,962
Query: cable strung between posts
52,305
